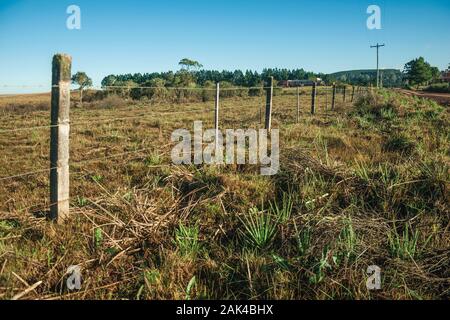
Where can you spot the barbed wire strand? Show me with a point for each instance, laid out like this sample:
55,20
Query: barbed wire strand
155,88
75,163
100,88
153,114
27,128
21,175
109,120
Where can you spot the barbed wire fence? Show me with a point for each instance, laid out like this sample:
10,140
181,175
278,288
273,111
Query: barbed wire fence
328,97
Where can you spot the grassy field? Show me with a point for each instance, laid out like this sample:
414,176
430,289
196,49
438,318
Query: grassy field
365,184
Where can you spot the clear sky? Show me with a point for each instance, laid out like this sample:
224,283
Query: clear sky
146,36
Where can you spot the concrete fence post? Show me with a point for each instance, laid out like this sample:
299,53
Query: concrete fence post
313,98
59,137
333,99
216,114
298,104
269,105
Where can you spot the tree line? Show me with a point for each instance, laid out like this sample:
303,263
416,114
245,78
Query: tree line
192,78
389,77
416,72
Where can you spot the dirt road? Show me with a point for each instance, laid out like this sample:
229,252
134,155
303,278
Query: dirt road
441,98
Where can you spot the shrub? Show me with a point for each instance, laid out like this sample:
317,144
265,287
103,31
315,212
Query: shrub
399,143
439,88
155,89
369,104
208,92
256,92
110,102
229,90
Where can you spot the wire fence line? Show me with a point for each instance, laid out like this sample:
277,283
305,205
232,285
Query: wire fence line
9,130
80,162
45,205
98,120
141,116
25,86
26,174
102,88
21,175
151,87
153,113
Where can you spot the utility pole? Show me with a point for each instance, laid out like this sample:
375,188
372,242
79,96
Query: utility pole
378,46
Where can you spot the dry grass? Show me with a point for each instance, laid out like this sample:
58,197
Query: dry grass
362,181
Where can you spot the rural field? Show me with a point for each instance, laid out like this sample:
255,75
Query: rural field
365,184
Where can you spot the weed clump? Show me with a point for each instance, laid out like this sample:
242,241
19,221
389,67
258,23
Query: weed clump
260,229
399,143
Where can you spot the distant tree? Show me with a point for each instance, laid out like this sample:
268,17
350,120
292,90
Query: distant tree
109,81
435,73
154,88
184,78
418,72
188,64
83,81
238,78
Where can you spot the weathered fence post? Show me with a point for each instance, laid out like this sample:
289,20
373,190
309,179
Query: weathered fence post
59,139
298,104
353,93
333,99
326,99
344,93
269,104
260,114
313,98
216,114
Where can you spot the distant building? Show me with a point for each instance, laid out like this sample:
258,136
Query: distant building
300,83
446,76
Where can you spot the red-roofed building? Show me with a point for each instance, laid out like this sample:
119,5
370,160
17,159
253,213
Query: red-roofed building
446,76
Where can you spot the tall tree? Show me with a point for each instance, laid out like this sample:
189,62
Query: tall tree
83,81
418,71
188,64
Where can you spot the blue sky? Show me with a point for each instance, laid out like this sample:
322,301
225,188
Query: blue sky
146,36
